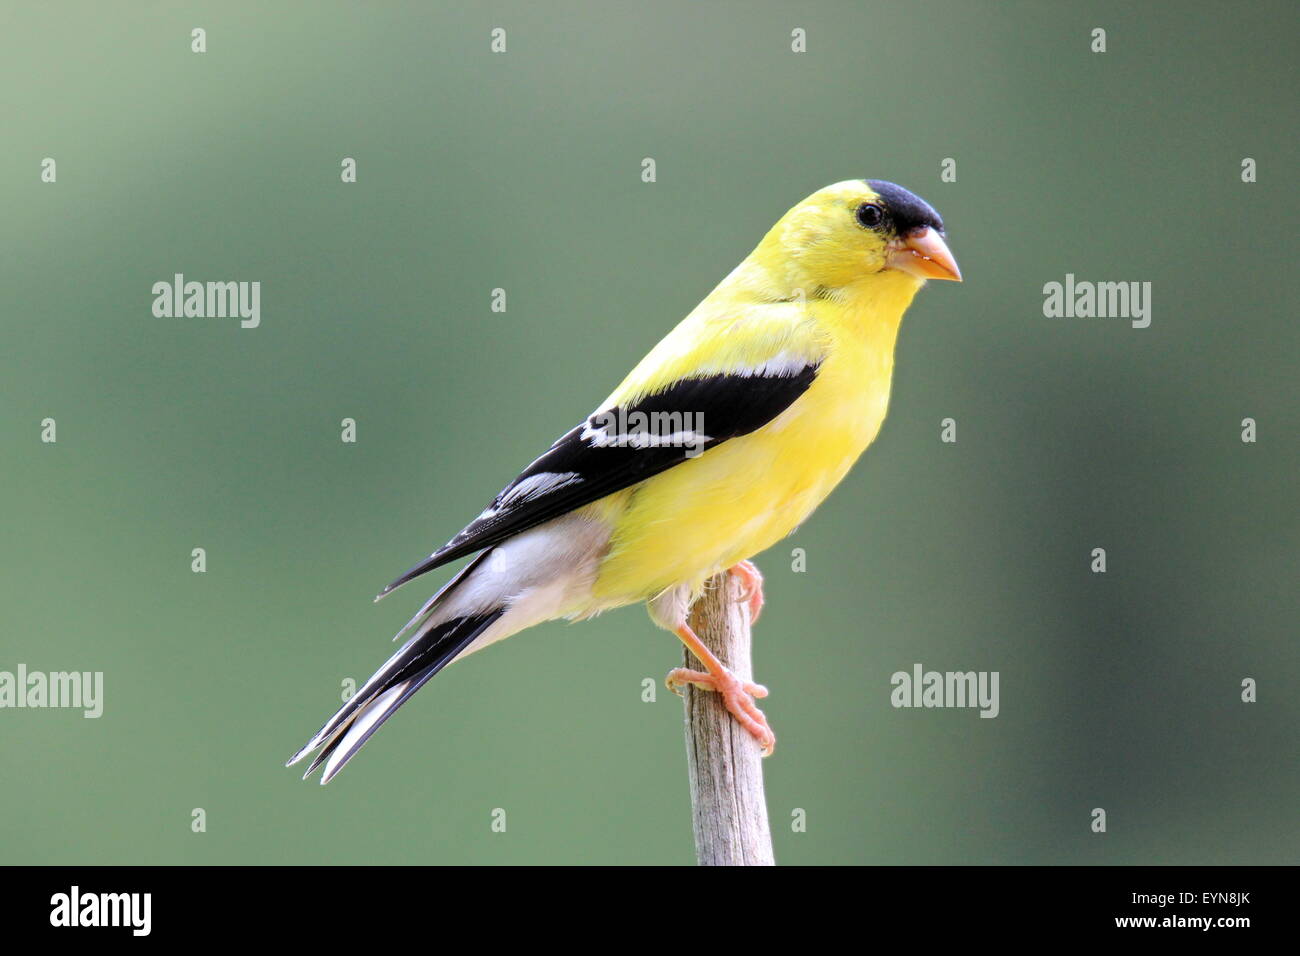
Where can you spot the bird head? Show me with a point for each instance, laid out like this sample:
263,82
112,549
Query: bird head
858,228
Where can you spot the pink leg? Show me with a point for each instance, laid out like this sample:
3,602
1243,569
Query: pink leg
753,581
737,695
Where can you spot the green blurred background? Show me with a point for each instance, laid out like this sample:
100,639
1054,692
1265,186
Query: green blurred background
522,171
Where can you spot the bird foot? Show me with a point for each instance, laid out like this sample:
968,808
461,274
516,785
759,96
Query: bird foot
752,592
737,696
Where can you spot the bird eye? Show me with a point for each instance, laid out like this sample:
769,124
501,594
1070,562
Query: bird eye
870,215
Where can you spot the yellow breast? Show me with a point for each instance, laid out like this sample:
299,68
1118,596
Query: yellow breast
736,500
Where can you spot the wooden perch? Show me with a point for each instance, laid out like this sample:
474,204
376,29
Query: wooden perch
725,761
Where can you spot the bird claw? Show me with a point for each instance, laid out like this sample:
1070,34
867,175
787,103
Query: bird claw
737,696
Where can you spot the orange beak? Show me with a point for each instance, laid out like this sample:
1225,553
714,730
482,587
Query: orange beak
925,255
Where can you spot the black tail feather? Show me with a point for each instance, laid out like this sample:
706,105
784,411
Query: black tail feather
426,653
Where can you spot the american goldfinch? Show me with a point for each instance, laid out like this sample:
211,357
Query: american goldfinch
718,444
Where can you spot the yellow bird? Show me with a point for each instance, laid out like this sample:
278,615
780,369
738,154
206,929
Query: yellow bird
717,445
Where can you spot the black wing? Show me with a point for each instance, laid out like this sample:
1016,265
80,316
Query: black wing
618,447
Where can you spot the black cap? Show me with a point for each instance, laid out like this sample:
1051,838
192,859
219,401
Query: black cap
907,211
